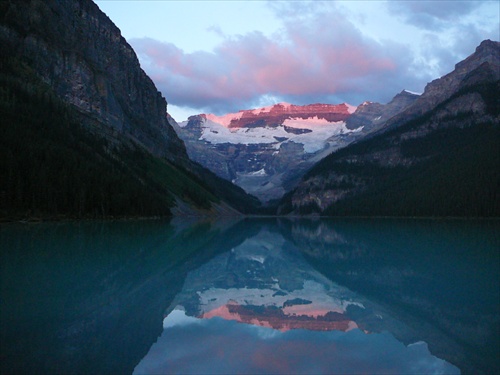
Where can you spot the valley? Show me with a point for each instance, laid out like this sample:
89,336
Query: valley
337,223
267,150
113,150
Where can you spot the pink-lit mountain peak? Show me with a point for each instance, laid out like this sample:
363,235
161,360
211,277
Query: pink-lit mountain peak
276,114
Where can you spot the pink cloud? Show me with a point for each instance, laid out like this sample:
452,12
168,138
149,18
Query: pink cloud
324,59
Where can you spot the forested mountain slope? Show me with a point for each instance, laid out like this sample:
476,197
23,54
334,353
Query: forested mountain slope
84,131
442,161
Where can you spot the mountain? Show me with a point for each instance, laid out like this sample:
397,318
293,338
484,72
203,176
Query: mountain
84,130
370,115
438,157
267,150
277,114
76,50
484,61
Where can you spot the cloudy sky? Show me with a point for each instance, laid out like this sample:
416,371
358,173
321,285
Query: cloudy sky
223,56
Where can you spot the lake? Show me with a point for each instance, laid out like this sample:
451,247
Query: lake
251,296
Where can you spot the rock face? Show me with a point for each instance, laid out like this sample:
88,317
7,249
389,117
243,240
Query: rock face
276,114
485,59
80,53
439,156
73,87
266,151
371,115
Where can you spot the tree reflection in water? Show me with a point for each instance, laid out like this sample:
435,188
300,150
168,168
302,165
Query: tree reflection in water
275,282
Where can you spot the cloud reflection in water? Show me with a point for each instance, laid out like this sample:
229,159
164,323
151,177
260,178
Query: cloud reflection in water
189,345
296,321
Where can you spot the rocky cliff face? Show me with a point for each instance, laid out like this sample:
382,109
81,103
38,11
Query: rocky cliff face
486,58
437,157
97,140
80,53
276,114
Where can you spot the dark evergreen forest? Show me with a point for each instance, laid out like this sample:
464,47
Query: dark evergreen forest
455,173
461,180
51,167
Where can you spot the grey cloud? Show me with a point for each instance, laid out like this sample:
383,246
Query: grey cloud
432,14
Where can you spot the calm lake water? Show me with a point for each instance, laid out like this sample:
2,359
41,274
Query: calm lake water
251,296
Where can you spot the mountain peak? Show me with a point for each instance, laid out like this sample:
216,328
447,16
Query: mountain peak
487,45
408,92
487,51
276,114
487,54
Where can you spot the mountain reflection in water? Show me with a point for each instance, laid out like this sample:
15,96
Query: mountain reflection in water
250,296
299,321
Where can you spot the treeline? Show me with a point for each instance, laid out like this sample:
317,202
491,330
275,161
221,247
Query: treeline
52,167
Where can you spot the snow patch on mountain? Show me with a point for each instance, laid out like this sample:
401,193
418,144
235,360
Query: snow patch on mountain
322,301
311,123
350,108
412,92
224,120
216,132
260,172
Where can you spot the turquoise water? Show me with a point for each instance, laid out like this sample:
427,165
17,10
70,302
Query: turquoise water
251,296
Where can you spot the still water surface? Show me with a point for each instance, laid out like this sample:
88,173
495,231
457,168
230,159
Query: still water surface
251,296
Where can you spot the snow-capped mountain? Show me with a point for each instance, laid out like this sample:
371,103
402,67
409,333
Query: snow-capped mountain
278,113
266,150
310,125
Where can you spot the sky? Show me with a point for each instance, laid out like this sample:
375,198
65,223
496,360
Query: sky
224,56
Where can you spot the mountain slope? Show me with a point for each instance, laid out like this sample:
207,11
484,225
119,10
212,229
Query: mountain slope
84,130
371,115
442,161
76,50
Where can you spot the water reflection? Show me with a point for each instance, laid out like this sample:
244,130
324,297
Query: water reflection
441,278
299,320
250,296
226,347
89,297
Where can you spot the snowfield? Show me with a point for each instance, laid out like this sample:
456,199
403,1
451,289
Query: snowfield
217,132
